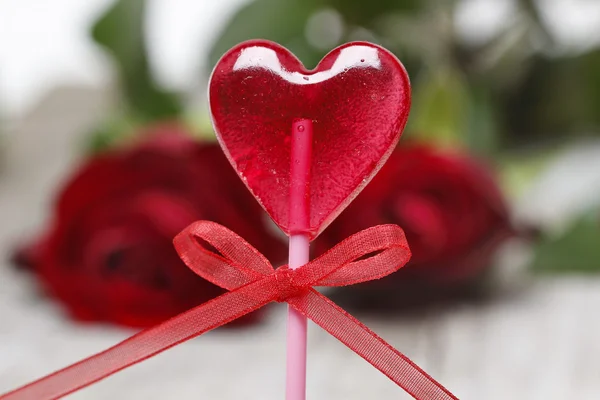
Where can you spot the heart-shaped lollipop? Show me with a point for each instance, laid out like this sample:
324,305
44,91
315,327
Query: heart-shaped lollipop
358,99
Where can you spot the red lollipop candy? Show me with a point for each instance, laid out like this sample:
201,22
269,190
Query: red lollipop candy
305,143
358,99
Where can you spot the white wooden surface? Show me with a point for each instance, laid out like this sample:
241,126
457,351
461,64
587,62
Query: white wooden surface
542,343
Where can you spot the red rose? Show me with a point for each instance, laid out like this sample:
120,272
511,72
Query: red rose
109,256
449,205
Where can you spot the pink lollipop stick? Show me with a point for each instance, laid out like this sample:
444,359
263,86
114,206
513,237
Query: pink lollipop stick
301,149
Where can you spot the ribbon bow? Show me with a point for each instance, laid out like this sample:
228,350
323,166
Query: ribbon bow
252,283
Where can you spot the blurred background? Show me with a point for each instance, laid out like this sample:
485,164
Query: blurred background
107,152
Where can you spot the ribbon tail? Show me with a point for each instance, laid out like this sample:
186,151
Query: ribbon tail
369,346
148,343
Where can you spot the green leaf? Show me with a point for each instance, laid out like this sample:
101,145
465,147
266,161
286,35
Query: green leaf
364,13
440,108
121,32
577,251
276,20
482,131
200,126
559,96
518,170
110,134
532,10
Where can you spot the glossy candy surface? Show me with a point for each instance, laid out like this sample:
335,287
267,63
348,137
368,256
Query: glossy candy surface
358,99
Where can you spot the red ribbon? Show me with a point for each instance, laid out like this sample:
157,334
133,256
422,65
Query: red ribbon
252,283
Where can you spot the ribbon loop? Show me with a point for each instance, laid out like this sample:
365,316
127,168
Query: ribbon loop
345,264
239,264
